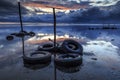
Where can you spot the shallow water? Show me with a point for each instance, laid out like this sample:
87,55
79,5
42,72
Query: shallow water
101,59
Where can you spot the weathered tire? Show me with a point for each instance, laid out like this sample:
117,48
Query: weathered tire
68,60
9,37
32,34
72,46
32,59
46,47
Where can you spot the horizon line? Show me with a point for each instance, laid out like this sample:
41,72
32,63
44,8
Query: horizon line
42,23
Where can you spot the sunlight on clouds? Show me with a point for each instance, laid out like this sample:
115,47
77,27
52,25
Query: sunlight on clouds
103,2
30,8
43,9
45,5
78,1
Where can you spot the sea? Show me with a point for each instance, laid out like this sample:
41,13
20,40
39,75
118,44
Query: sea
101,52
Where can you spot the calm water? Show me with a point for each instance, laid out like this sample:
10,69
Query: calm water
104,45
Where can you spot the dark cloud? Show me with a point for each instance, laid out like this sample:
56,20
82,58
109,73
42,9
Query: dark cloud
115,11
110,14
8,8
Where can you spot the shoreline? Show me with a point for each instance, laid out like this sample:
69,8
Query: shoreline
59,24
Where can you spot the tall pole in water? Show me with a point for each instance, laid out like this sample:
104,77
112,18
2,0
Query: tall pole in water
54,17
21,25
20,16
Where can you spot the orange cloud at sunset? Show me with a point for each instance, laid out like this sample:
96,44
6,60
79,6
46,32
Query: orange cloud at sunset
57,6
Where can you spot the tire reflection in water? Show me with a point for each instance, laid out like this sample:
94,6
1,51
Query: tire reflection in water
68,69
36,66
57,68
68,73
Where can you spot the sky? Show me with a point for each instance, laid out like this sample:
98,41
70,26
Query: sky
68,11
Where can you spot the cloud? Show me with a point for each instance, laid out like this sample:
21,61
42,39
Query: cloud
103,2
9,8
6,7
94,14
109,14
58,5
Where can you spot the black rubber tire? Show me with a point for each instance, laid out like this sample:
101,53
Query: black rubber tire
9,37
46,47
30,59
63,60
32,34
77,47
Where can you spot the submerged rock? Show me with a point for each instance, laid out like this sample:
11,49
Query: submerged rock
89,53
112,39
94,58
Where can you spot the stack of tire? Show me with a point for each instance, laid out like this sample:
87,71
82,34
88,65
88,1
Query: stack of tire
68,46
69,53
72,56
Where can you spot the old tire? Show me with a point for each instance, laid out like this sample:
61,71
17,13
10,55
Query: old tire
46,47
37,57
72,46
68,60
9,37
